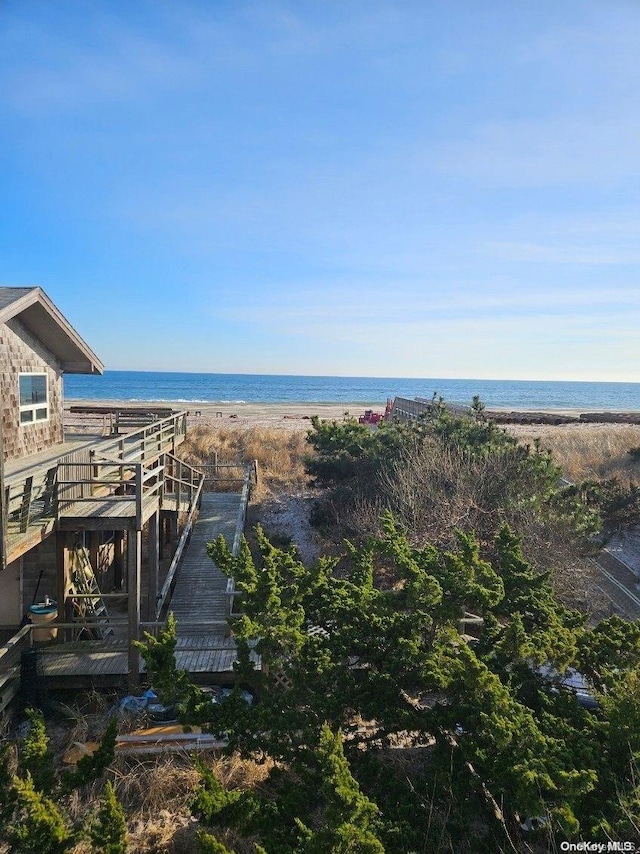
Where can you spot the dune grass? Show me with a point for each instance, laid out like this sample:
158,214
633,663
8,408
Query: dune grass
583,451
588,451
280,453
156,793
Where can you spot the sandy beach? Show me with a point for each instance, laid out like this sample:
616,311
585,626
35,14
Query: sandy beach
285,416
290,416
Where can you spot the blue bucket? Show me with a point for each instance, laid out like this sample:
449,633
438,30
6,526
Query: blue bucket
43,608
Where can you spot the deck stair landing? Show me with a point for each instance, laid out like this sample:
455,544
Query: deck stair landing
199,602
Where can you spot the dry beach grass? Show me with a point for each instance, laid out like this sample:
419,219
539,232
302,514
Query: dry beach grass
587,451
275,436
280,453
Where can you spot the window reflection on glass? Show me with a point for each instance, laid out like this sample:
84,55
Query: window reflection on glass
33,394
33,389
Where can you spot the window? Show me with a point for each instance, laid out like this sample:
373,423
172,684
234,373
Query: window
33,398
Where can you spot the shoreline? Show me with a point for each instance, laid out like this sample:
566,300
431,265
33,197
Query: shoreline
292,416
286,416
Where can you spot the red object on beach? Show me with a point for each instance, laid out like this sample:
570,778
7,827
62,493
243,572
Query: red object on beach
370,417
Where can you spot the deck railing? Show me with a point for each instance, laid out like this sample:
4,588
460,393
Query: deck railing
32,500
182,482
147,442
110,482
10,657
250,479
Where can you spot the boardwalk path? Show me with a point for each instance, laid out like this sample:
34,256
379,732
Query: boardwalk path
619,584
199,594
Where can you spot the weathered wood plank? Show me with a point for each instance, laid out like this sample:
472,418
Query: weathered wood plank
199,594
207,657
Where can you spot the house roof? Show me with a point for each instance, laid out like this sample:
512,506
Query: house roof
33,308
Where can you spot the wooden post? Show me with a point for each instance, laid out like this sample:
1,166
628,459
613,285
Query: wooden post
161,485
173,527
4,509
63,581
138,469
118,558
134,541
162,533
94,550
153,540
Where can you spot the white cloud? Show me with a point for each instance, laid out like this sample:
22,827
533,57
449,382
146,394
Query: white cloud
593,148
514,251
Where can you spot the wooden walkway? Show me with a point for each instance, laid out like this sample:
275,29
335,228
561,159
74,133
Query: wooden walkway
105,663
199,603
619,584
199,596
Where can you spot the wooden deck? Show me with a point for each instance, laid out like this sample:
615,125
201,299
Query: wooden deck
113,513
43,460
105,663
200,603
41,489
116,513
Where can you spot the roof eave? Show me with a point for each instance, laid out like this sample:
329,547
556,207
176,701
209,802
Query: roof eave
84,360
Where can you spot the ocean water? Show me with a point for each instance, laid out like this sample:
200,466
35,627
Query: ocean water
187,388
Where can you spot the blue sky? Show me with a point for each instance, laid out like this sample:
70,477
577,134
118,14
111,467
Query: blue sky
428,189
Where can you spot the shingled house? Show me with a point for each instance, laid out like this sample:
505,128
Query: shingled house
37,346
72,509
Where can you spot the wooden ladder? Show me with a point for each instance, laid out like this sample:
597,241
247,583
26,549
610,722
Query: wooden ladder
91,611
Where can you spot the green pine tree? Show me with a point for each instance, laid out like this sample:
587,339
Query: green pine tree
39,825
36,759
7,793
92,766
108,830
171,684
349,816
208,844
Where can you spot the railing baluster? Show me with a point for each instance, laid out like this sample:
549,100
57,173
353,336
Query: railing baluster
138,470
49,491
25,507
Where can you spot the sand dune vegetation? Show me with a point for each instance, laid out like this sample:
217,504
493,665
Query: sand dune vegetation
588,451
448,745
280,453
582,451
